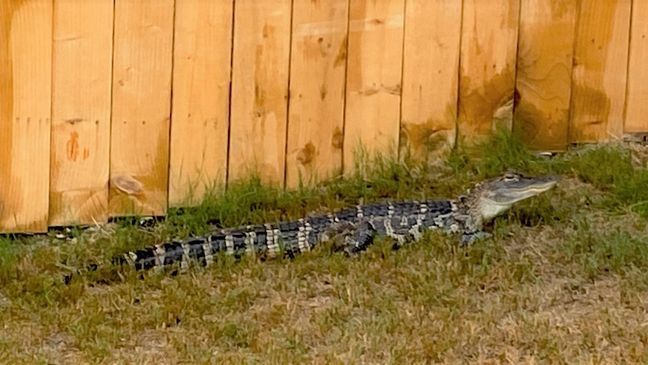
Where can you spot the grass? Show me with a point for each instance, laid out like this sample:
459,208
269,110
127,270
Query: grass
562,280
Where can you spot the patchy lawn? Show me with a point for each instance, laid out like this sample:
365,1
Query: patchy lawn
563,280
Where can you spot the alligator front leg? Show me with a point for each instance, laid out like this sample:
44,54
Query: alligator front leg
361,239
337,235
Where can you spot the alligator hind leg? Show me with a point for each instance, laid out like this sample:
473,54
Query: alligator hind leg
404,237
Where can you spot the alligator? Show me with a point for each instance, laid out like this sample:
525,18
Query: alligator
354,229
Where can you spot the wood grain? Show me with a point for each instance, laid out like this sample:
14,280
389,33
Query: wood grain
373,92
201,85
599,73
139,152
637,108
544,72
318,65
81,92
487,67
260,89
25,107
430,76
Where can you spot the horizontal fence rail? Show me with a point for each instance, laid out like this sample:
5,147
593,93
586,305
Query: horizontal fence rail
118,107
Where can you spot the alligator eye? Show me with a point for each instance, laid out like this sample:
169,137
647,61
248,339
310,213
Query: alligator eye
510,177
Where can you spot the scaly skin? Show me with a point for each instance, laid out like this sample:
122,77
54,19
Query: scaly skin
403,221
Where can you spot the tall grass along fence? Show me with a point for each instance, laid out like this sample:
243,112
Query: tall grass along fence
109,108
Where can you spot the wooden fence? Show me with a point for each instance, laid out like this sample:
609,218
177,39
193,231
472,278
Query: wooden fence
114,107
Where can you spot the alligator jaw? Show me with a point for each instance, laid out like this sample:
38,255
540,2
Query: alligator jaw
497,196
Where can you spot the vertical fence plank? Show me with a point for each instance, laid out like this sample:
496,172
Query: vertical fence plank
318,65
637,108
374,72
25,107
82,63
141,107
260,89
544,72
487,66
201,80
429,104
599,74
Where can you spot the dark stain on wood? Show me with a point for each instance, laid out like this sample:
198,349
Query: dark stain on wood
73,121
72,146
340,59
421,139
592,110
530,125
268,31
337,141
307,154
481,104
259,101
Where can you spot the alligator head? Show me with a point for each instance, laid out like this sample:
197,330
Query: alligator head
494,197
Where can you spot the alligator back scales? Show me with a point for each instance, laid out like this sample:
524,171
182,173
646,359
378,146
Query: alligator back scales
403,221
